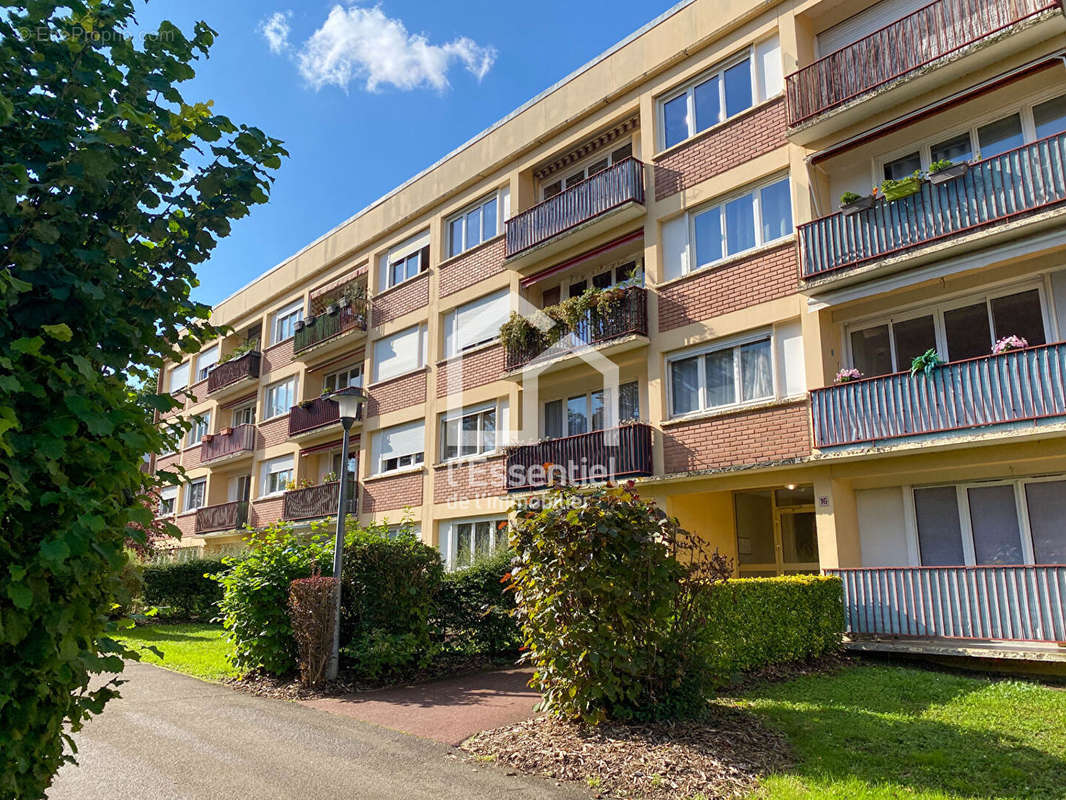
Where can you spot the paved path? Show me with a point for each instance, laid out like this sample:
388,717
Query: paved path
176,738
447,711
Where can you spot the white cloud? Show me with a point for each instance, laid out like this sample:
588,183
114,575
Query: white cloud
356,44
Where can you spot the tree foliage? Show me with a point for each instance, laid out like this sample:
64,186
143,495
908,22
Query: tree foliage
112,189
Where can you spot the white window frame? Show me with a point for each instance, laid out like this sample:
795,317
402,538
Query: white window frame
451,323
189,499
168,494
200,428
286,316
582,168
586,274
184,368
449,539
609,420
280,466
420,362
413,246
734,344
452,417
502,198
347,373
267,402
755,191
243,414
406,461
202,370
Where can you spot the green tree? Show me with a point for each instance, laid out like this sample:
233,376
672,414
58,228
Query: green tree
112,189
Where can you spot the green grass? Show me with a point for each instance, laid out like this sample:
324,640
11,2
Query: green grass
195,649
894,732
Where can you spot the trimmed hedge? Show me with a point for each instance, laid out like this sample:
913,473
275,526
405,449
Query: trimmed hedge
187,588
473,609
759,622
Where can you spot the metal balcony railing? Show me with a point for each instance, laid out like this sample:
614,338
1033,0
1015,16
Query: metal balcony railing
239,439
326,326
317,501
237,369
224,517
622,452
315,413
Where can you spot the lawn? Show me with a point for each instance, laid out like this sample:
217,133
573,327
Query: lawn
895,732
195,649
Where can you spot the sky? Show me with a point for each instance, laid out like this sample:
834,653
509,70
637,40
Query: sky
366,96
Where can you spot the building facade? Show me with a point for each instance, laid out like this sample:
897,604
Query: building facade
695,177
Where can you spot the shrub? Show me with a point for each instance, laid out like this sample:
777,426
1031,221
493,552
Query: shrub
131,577
611,594
255,593
474,610
189,589
311,606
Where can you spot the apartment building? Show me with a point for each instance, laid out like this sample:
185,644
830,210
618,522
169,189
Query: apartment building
692,176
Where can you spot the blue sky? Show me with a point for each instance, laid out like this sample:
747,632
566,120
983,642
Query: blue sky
349,145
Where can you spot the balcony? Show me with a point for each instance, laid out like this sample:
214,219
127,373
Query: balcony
1023,386
238,442
615,453
994,191
224,517
329,326
627,317
313,414
854,81
234,372
317,501
618,186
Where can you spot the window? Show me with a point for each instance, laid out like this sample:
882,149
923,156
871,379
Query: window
244,415
462,542
722,93
201,426
404,261
336,467
276,474
1049,117
240,488
469,432
205,362
957,330
196,494
724,376
168,497
342,379
589,411
704,237
475,225
178,378
476,322
400,353
593,165
399,447
280,397
283,323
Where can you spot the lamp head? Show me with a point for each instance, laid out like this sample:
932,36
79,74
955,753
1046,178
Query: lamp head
349,399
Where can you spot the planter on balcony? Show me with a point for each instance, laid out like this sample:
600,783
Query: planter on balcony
897,190
234,371
240,439
855,206
326,326
949,173
224,517
317,501
622,452
311,414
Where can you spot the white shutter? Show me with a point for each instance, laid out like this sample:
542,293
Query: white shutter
769,79
179,377
207,359
505,207
394,355
400,440
675,247
480,320
864,23
792,379
168,493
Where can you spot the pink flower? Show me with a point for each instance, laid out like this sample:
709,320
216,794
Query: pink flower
1008,343
847,375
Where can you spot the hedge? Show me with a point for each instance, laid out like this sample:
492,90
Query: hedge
759,622
473,609
184,587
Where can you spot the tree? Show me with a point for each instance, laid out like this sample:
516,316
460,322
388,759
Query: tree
112,190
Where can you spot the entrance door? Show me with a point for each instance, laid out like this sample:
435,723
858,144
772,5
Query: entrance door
776,532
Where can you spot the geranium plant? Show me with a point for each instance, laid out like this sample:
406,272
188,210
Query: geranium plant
1009,343
847,375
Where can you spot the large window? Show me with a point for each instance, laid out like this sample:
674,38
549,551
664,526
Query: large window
283,322
178,377
723,376
470,432
244,414
585,412
280,397
399,447
476,322
724,92
404,261
196,494
168,498
400,353
591,166
462,542
343,378
205,362
276,475
201,426
479,223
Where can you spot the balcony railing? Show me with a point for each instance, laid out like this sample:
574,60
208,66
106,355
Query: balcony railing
313,414
622,452
628,316
1023,180
240,439
326,326
237,369
1020,603
1021,386
618,184
900,48
224,517
317,501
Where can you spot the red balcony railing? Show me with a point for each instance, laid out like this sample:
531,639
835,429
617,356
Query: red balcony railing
618,184
1021,181
312,414
224,517
237,369
622,452
317,501
239,439
1021,386
326,326
900,48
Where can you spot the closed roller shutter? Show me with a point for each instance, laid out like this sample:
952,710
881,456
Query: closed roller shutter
863,24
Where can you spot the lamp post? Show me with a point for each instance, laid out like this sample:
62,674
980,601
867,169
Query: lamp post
349,400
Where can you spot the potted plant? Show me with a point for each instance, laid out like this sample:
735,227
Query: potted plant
225,431
904,187
209,437
847,375
332,309
310,321
299,326
925,363
1009,343
305,404
329,477
851,203
945,170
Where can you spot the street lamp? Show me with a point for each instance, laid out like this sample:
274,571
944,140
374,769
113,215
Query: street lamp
349,400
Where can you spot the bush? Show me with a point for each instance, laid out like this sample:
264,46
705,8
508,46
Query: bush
131,578
474,612
189,589
759,622
255,593
311,605
611,593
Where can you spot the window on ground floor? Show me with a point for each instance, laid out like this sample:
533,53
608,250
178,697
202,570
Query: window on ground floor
776,532
462,542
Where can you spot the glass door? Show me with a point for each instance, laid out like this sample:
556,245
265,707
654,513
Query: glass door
776,532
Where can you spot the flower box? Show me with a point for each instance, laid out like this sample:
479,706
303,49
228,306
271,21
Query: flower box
332,309
855,206
948,173
300,325
905,187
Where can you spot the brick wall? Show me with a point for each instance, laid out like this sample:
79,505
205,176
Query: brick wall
167,462
402,299
273,432
199,391
745,438
470,480
484,366
186,523
191,459
275,357
475,265
397,393
721,148
714,291
390,493
265,512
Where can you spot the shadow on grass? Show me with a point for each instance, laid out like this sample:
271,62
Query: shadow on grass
172,633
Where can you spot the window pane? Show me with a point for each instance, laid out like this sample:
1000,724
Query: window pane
994,520
468,443
999,136
1047,520
708,104
1019,314
871,352
755,527
577,415
473,227
413,264
956,149
685,385
488,219
463,544
740,224
488,430
737,88
903,167
598,423
622,153
552,189
721,380
629,401
913,337
708,236
455,237
675,120
598,166
967,333
603,280
396,273
939,533
482,540
775,206
553,419
1050,117
756,379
